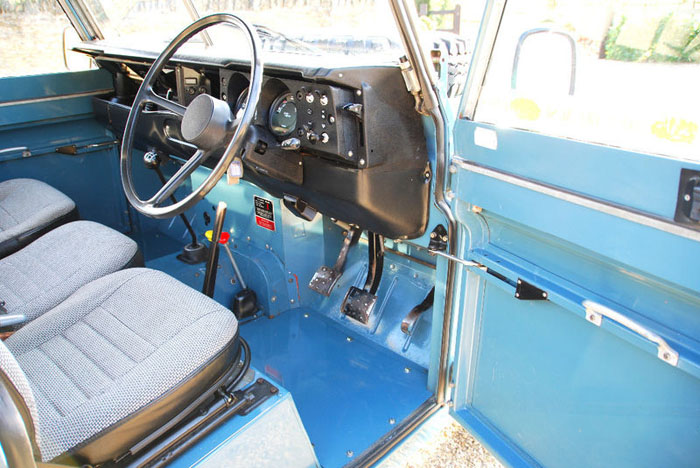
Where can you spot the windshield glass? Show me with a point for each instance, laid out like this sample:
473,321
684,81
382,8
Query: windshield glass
320,27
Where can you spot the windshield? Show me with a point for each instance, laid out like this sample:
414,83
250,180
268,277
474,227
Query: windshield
321,27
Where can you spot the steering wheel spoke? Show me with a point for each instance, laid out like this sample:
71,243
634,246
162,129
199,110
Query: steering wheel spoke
167,104
179,177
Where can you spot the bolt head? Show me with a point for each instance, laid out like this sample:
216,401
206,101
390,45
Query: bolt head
350,453
273,299
407,370
392,421
348,339
686,197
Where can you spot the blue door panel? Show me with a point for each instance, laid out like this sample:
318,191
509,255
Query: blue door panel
572,394
625,242
536,380
641,181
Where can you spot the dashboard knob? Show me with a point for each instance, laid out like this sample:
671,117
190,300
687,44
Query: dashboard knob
312,137
323,100
309,98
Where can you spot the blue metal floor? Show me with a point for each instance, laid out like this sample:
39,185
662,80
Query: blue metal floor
348,390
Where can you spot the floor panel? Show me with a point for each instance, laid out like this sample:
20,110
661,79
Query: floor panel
348,390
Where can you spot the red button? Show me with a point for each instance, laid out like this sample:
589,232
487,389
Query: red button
225,236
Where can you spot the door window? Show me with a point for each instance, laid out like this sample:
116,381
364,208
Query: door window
622,73
32,34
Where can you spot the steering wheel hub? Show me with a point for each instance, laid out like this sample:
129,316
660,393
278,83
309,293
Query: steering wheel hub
206,121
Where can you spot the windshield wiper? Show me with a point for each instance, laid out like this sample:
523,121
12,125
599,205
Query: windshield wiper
277,37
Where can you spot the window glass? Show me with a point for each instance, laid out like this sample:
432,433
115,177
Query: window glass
621,73
31,34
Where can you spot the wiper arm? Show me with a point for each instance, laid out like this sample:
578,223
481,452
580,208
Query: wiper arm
192,10
271,34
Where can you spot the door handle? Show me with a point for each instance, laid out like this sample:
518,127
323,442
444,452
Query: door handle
595,313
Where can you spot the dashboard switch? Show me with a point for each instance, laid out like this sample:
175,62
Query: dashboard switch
324,137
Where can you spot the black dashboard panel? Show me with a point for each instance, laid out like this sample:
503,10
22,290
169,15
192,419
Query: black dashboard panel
361,156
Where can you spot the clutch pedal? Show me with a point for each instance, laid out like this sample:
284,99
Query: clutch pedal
325,278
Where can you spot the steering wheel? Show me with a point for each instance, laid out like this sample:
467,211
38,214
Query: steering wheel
206,123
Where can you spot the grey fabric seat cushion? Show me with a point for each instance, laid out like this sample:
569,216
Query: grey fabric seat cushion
116,345
28,204
47,271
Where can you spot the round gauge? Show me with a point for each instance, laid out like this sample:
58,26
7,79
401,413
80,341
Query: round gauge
283,115
241,102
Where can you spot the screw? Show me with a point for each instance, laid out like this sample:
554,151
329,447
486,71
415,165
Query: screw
273,299
233,280
450,195
453,169
349,154
291,280
392,421
358,92
349,453
348,339
517,294
340,75
666,355
291,301
433,235
415,275
427,175
362,162
445,238
306,315
392,267
196,275
544,294
267,246
686,197
248,238
407,370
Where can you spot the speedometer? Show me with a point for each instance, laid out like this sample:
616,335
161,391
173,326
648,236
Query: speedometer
283,115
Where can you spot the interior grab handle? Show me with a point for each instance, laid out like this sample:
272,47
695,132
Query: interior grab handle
23,149
595,313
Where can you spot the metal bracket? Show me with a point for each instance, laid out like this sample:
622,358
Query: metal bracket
438,239
359,303
325,278
528,292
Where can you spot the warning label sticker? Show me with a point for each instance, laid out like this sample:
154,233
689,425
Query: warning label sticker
264,213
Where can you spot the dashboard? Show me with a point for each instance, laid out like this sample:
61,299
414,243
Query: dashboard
345,142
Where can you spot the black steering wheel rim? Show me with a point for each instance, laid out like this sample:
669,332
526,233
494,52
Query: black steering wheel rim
146,94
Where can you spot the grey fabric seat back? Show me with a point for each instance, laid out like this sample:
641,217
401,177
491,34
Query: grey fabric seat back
118,347
47,271
28,209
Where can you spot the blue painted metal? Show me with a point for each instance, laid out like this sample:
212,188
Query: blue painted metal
534,380
58,88
271,435
346,390
91,178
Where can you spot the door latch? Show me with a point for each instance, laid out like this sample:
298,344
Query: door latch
688,204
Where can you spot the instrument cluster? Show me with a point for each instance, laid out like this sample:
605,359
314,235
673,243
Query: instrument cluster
311,117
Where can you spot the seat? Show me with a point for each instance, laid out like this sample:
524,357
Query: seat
114,361
29,209
47,271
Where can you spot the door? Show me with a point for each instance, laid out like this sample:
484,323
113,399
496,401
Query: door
577,156
47,126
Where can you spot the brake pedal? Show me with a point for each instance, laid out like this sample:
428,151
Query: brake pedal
359,303
325,278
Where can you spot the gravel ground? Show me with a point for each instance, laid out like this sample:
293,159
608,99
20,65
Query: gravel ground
441,442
